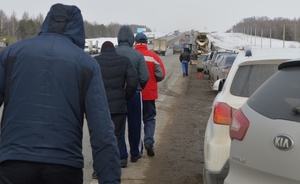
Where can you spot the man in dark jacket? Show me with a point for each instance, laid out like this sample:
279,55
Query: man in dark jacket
134,105
47,84
185,59
120,81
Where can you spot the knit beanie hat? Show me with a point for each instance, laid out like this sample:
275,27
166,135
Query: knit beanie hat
107,44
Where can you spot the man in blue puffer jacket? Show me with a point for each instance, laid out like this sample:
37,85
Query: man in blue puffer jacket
47,84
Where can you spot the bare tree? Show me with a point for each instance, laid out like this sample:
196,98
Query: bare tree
13,24
3,23
25,16
39,19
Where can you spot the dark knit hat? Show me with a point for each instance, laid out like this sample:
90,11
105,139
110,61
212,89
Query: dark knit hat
140,38
107,44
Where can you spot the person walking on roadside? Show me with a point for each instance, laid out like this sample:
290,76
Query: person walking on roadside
157,73
185,59
47,84
134,105
120,81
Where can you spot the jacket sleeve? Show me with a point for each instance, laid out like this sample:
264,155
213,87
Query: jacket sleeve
132,80
106,158
180,57
159,69
143,71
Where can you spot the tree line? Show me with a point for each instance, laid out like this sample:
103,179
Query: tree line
29,26
277,28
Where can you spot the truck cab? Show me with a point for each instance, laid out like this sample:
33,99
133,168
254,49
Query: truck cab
88,47
151,37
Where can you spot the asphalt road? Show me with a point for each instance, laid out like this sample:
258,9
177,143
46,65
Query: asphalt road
183,108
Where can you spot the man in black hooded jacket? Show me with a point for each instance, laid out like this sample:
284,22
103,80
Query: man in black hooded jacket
47,84
120,81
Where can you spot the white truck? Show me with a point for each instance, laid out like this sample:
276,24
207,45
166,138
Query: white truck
160,46
88,47
95,47
151,37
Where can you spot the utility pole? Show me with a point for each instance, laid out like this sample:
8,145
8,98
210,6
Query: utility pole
270,38
261,36
283,36
255,36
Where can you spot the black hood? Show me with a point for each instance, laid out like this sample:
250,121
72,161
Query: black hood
65,20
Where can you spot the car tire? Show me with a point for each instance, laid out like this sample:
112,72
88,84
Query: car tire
204,176
210,179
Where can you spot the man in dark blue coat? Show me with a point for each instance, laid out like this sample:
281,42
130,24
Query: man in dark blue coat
47,84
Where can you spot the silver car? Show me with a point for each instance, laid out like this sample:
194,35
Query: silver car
224,67
265,135
201,62
251,68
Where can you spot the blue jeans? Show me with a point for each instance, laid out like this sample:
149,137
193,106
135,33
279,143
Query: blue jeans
149,114
185,67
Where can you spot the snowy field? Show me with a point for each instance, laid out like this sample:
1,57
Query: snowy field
234,41
230,41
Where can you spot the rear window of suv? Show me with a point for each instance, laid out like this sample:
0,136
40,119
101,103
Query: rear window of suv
249,77
278,97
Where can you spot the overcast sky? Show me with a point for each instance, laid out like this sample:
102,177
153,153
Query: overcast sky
164,15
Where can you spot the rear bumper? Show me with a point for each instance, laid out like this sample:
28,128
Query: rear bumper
216,146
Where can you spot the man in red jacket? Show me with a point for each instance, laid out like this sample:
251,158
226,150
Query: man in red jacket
157,73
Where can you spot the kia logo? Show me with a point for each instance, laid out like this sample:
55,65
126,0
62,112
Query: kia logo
283,142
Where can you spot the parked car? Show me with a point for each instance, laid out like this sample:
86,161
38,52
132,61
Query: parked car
201,62
214,58
205,71
250,69
222,67
225,66
208,62
177,48
214,65
270,128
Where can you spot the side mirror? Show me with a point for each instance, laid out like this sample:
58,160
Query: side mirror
218,85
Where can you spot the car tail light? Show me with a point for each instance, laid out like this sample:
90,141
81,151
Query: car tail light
239,125
223,113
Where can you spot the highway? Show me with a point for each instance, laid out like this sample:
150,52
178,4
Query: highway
171,86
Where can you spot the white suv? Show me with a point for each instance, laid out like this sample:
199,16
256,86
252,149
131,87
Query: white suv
249,70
